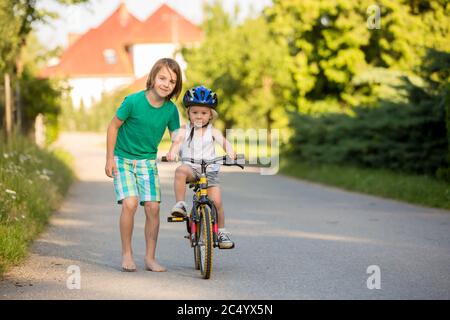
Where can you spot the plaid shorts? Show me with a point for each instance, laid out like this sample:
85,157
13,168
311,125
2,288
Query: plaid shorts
137,178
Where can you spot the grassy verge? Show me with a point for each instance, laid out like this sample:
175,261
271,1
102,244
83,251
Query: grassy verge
422,190
32,184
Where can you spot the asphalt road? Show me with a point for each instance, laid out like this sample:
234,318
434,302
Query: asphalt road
294,240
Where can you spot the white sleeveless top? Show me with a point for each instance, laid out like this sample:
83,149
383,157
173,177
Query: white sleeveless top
201,147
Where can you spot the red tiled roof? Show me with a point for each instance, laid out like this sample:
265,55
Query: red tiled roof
85,57
166,25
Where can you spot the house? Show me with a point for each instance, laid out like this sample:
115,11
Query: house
120,51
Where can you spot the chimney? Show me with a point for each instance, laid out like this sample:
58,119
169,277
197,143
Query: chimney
124,15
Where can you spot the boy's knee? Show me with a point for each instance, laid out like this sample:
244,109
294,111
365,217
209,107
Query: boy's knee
151,207
130,204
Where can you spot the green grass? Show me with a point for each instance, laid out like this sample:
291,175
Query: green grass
415,189
33,183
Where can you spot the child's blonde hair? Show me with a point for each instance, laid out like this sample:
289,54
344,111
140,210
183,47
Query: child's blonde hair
214,113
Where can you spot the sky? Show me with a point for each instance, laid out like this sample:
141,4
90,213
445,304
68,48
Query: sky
81,18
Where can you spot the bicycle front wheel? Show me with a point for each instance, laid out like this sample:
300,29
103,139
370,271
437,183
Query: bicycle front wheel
205,243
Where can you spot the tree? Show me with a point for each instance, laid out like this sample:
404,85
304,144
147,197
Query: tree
330,44
213,62
324,40
16,23
248,69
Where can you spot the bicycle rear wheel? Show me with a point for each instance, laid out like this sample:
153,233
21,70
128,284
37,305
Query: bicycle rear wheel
196,236
205,242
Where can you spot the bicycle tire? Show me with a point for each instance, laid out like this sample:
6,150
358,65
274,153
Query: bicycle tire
205,244
197,257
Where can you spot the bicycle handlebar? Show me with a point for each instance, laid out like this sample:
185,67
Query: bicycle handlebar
225,160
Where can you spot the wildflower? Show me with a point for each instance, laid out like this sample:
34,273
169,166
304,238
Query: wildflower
23,157
47,172
10,191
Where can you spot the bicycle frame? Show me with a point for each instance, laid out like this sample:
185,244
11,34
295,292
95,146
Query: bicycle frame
200,198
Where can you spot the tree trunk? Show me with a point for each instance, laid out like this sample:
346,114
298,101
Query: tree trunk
18,101
267,85
8,105
269,123
228,125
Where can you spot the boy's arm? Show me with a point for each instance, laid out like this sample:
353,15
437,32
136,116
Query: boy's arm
111,137
224,143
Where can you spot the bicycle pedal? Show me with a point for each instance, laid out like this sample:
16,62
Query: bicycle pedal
176,219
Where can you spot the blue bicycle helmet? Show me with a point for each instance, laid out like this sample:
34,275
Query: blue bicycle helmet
200,96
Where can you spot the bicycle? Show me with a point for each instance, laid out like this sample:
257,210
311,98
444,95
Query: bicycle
202,222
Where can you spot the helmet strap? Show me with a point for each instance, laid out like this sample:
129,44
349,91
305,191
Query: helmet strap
191,135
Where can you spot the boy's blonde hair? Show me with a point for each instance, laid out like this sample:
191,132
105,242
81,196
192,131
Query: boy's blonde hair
172,65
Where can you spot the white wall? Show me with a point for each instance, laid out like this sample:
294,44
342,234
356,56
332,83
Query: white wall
145,56
90,89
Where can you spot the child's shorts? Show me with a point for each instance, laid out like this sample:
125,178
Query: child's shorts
213,177
137,178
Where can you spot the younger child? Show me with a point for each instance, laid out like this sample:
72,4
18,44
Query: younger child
196,140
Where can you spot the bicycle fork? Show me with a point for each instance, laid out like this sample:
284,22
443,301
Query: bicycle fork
202,196
195,220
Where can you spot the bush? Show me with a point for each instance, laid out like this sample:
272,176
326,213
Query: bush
406,136
40,96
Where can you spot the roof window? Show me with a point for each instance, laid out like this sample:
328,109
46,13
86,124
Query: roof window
110,56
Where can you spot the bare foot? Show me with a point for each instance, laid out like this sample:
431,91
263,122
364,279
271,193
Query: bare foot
128,264
152,265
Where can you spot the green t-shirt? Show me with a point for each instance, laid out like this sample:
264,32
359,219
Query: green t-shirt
144,125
